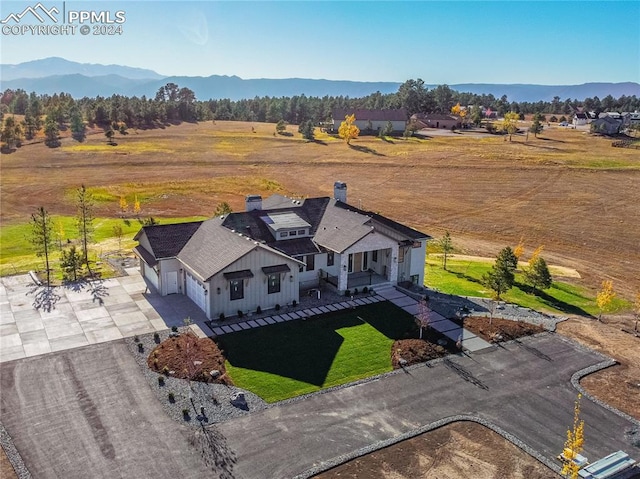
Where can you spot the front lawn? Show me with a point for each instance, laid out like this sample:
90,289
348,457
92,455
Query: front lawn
288,359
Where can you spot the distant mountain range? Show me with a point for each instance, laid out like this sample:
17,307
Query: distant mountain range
55,75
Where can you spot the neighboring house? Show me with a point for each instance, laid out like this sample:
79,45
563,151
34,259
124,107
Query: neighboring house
266,255
373,119
630,119
580,119
435,120
611,114
606,125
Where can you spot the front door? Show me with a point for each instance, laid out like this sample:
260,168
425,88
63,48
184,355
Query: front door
357,262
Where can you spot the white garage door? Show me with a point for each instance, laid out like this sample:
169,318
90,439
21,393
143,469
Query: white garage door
195,291
151,275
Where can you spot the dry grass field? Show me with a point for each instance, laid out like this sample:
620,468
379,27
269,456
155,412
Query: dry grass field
568,190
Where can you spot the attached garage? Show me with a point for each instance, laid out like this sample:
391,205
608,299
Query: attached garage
196,292
150,274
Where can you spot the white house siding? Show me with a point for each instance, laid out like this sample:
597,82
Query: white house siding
166,267
417,261
144,242
378,124
255,288
149,273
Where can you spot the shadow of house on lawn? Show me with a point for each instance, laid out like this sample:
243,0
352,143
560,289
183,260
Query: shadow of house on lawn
300,350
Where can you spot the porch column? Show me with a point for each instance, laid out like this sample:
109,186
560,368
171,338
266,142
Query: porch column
393,270
343,274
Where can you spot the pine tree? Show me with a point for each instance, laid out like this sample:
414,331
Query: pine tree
71,262
51,132
536,126
537,274
42,237
500,277
84,220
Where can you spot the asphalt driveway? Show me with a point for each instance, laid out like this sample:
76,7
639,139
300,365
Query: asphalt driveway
88,412
525,390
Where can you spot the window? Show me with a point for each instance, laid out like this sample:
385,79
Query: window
301,232
401,254
365,261
374,256
284,234
330,258
310,262
350,268
293,233
273,283
236,289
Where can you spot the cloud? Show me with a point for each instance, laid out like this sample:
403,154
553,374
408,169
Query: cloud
193,26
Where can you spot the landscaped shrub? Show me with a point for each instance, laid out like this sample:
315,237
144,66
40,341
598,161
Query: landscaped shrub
294,303
240,314
365,290
174,329
160,380
156,338
277,307
136,339
172,397
221,317
258,310
347,292
140,348
355,291
185,414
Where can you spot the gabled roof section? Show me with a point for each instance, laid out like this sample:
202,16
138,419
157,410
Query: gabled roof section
372,115
213,248
410,233
341,227
168,240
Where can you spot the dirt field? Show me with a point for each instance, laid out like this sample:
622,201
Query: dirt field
459,450
618,385
567,190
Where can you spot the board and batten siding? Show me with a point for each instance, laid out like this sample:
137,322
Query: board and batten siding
255,288
417,259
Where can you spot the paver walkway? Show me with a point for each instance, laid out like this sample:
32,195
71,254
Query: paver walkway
451,330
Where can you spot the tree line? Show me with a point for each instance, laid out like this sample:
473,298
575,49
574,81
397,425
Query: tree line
173,104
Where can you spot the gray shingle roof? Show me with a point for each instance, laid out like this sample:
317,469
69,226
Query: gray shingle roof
341,227
213,248
168,240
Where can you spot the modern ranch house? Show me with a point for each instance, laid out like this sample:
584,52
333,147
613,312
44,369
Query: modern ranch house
265,256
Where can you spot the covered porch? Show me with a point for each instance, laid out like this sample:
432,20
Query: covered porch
357,280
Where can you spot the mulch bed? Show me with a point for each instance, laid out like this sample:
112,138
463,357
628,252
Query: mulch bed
187,356
500,329
415,351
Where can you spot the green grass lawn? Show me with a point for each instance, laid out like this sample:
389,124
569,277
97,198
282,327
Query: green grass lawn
16,252
463,278
285,360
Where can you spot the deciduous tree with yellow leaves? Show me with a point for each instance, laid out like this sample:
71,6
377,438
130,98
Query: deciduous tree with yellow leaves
348,130
604,297
510,123
574,443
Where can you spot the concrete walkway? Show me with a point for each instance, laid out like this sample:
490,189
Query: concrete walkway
451,330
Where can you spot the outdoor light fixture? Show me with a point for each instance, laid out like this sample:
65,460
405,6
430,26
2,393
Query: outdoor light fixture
291,278
218,290
206,292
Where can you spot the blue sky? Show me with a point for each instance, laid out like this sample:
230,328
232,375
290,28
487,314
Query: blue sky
557,42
